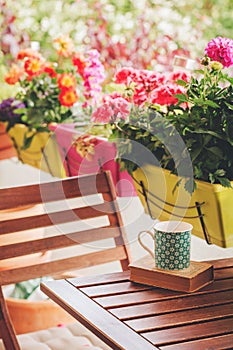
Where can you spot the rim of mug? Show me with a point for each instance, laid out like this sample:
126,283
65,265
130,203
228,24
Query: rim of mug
173,226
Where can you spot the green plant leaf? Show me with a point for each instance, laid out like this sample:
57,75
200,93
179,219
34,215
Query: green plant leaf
27,142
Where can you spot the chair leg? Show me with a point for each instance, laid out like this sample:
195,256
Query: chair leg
7,332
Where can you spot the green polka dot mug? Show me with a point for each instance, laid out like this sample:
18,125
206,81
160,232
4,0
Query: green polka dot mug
172,241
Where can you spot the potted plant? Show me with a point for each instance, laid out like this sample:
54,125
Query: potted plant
30,310
180,125
51,92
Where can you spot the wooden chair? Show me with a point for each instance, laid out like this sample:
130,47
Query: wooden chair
77,212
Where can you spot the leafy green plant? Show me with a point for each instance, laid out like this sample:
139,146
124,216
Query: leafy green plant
24,290
207,125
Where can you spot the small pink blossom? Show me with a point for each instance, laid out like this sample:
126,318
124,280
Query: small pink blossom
221,50
111,111
111,96
93,75
102,114
121,108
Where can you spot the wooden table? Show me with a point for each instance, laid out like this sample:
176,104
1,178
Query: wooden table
129,316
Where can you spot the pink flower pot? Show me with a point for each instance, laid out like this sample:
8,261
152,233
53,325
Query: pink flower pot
104,158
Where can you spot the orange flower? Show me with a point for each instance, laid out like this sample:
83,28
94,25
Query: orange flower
64,45
33,66
66,81
14,74
26,53
68,97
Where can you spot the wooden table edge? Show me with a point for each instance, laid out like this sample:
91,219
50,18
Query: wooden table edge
95,318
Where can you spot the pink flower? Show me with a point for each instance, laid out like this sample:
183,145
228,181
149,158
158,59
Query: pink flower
111,111
221,50
102,114
111,96
93,75
121,108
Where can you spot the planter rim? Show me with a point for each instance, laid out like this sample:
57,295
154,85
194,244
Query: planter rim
30,303
202,183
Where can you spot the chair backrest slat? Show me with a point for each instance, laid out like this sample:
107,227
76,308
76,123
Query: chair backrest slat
44,220
56,242
53,191
57,266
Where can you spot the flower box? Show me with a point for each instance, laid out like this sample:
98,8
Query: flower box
104,157
212,203
42,153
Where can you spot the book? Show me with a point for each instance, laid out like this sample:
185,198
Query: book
191,279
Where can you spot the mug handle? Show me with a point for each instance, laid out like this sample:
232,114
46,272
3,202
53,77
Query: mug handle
143,245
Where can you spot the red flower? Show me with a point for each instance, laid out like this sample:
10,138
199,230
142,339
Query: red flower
165,94
125,76
14,74
174,76
79,62
140,96
149,80
68,97
49,69
66,81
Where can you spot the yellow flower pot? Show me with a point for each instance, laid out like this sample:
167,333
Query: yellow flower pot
209,209
43,153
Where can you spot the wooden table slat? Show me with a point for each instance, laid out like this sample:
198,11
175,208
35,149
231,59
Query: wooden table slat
221,263
158,294
101,279
138,297
114,289
224,342
223,273
190,332
185,317
158,307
